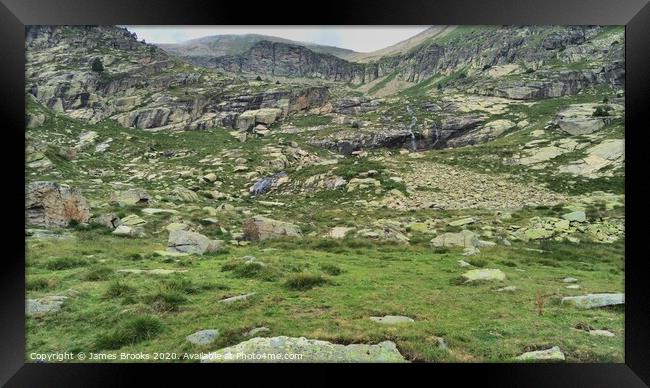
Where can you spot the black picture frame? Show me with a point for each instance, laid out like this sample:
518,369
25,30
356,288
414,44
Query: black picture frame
16,14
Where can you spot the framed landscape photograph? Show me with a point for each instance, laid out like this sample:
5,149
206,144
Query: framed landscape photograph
443,185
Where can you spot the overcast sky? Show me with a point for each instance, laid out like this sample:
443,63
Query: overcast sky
357,38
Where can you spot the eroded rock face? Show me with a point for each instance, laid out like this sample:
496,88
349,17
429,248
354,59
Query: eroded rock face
49,204
190,242
308,350
261,228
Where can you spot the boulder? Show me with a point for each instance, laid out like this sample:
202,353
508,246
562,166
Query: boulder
49,204
483,274
392,319
268,183
260,228
238,297
124,230
109,220
552,354
462,239
257,330
33,120
306,350
183,195
191,242
133,220
462,221
339,232
130,197
595,300
203,337
250,118
45,305
578,216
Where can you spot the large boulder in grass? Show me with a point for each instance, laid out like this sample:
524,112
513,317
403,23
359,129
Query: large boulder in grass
462,239
311,350
259,228
183,241
49,204
595,300
130,197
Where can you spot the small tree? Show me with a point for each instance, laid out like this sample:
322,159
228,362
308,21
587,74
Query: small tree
258,78
97,65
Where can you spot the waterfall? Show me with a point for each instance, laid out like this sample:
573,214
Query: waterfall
410,127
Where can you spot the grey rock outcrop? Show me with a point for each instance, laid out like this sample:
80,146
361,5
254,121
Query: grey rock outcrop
49,204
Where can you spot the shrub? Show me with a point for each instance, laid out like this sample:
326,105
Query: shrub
40,284
304,281
97,273
61,263
254,269
118,288
165,301
258,78
130,332
331,269
97,65
601,111
477,262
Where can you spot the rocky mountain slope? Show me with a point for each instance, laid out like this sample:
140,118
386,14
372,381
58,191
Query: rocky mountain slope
221,45
142,86
173,207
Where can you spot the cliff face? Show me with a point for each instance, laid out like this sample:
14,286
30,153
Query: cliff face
140,85
557,60
288,60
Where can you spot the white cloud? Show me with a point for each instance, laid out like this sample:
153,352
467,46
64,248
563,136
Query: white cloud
358,38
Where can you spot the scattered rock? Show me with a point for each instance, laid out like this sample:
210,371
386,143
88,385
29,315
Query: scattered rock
339,232
183,195
463,239
110,220
310,350
488,274
150,211
602,333
392,319
203,337
578,216
124,230
269,183
552,354
130,197
237,298
45,305
260,228
156,271
257,330
595,300
190,242
133,220
462,221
